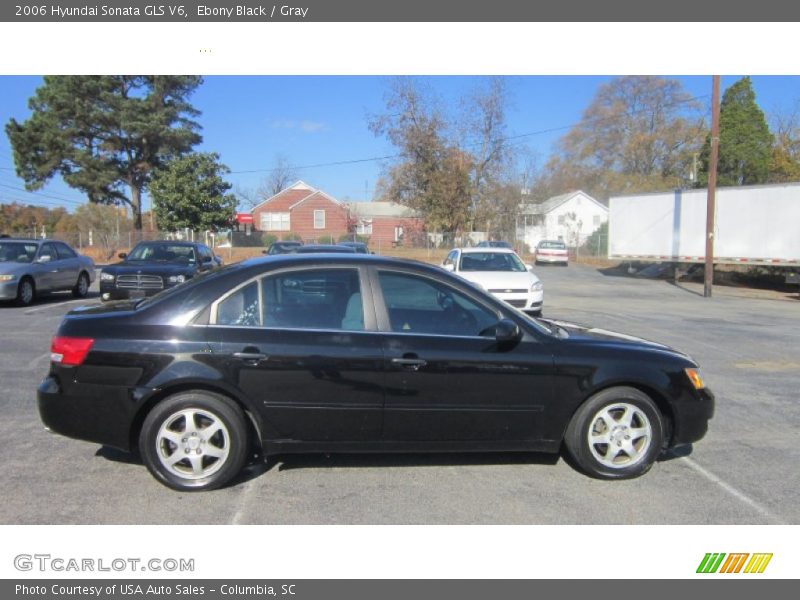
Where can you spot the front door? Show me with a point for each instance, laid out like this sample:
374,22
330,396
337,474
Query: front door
296,342
447,379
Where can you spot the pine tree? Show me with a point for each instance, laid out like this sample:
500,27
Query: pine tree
745,141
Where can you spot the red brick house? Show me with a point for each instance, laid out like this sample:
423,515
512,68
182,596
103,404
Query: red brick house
302,210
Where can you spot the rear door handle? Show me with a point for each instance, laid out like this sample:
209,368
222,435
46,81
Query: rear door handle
250,357
412,364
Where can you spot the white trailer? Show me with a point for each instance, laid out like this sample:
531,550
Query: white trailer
758,225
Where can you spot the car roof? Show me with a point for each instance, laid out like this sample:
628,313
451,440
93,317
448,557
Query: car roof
323,258
485,249
312,248
168,243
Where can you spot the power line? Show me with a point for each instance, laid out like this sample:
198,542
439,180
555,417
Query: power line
42,194
503,139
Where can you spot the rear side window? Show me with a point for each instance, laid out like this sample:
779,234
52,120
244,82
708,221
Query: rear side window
314,299
240,309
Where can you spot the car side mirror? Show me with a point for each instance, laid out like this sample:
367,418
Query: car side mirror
207,259
529,267
507,331
45,258
123,255
451,267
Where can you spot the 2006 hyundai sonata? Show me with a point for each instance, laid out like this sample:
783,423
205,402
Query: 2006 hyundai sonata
357,353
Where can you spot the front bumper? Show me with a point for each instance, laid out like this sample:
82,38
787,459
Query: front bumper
109,291
691,417
525,301
8,289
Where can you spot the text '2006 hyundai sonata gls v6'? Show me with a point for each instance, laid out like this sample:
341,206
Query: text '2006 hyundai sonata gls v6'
357,353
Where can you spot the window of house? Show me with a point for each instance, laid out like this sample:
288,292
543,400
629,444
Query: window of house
319,219
562,219
364,228
596,220
275,221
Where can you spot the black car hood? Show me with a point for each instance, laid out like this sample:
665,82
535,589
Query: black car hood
134,267
582,334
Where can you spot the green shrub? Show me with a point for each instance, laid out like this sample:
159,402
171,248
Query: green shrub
268,239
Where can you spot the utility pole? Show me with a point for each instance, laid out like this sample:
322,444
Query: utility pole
708,282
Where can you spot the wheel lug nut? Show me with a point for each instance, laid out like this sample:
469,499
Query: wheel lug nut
187,451
184,440
199,451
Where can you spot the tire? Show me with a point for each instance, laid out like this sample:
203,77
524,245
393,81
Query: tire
81,289
190,457
26,292
628,430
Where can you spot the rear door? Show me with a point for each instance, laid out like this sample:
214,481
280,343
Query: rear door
301,343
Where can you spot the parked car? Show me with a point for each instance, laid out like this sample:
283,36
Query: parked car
551,251
356,353
501,272
358,247
155,266
283,247
31,267
494,244
318,248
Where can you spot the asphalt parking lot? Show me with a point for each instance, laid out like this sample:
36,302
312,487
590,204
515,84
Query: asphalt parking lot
744,472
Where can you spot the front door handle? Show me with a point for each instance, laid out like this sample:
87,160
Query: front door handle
250,357
412,364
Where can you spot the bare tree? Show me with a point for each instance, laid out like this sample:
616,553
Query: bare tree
280,176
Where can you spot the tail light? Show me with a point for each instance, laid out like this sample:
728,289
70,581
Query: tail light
70,351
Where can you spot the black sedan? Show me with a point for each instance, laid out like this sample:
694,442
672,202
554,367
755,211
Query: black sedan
155,266
355,353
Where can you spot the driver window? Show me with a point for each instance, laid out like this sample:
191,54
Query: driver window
420,305
48,250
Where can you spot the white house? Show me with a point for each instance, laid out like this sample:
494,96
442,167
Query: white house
570,218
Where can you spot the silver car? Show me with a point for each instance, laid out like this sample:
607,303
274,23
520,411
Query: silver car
31,267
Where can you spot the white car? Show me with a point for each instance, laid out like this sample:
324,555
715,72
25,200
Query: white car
551,251
501,272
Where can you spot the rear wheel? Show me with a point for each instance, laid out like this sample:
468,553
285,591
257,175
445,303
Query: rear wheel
81,289
26,292
194,441
616,434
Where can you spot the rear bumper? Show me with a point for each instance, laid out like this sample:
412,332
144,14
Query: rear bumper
102,414
551,258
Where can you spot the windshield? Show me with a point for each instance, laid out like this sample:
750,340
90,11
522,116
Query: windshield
163,253
491,261
17,252
552,245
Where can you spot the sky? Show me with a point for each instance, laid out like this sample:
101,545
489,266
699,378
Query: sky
319,120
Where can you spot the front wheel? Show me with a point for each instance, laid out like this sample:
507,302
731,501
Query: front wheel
194,441
26,292
616,434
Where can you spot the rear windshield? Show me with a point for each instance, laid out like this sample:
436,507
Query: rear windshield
552,245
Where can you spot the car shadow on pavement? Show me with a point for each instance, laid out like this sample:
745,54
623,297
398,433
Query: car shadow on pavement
285,462
677,452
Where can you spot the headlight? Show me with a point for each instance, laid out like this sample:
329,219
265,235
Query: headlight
7,277
695,378
537,287
177,278
106,277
